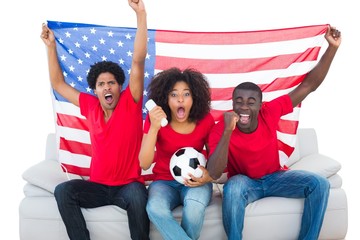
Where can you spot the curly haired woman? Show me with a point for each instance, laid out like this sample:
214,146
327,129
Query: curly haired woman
183,98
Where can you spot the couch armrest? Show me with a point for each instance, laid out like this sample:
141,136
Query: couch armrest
47,174
318,163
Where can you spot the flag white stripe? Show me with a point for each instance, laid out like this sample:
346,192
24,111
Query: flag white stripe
289,139
67,108
237,51
73,134
79,160
259,77
294,116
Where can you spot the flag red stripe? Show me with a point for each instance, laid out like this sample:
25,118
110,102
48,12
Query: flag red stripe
288,150
75,147
75,169
278,84
282,83
228,66
221,94
248,37
288,126
71,121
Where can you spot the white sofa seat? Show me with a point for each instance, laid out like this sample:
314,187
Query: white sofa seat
270,218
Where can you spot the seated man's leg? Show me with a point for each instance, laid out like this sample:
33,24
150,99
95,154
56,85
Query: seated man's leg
133,198
302,184
239,191
71,196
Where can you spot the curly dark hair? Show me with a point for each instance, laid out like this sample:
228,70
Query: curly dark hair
103,67
163,83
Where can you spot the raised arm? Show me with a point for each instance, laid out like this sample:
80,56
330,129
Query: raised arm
147,150
317,75
217,161
136,82
56,76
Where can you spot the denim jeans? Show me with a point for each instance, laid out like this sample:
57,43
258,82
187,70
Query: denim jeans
164,196
240,190
75,194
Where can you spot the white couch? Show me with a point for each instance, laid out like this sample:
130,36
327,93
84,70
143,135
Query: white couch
270,218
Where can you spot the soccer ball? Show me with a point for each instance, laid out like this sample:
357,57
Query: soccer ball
184,161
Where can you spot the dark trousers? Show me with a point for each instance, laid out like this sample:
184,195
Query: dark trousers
75,194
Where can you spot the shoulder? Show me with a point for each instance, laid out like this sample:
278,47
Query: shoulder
208,120
87,98
218,126
277,107
281,102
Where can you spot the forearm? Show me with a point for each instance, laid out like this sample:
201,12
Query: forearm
318,74
147,151
136,82
56,76
314,78
140,43
217,162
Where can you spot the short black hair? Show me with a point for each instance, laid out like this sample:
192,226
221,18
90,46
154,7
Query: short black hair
163,83
249,86
103,67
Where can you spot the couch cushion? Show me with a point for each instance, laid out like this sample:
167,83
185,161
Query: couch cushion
318,163
35,191
47,175
335,181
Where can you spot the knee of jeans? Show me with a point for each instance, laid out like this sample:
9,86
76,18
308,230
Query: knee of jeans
234,188
320,184
323,184
196,203
59,190
155,209
153,206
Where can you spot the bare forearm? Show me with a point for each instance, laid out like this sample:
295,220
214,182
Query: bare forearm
147,151
218,160
56,76
139,55
318,74
140,43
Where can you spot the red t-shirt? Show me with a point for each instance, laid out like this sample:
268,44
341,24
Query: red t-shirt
116,144
168,141
255,154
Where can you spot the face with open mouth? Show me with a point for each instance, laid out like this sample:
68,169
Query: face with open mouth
247,103
107,90
180,102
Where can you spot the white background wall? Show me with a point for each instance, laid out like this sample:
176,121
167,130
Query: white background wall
26,110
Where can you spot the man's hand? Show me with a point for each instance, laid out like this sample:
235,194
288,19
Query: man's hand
333,36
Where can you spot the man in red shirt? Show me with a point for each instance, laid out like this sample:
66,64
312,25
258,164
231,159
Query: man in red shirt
245,142
115,126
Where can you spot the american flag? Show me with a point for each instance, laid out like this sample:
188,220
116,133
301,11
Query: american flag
277,60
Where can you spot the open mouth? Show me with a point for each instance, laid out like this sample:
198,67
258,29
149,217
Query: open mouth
108,98
180,113
244,118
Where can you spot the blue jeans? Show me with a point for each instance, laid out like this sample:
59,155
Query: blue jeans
241,190
75,194
164,196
